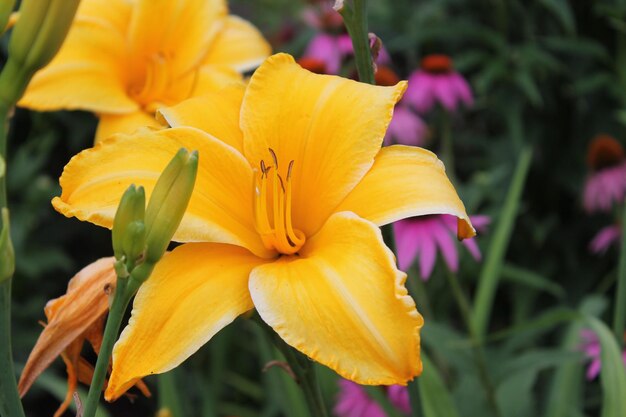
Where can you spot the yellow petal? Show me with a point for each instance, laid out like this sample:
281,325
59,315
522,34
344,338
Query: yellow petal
213,78
110,124
221,206
343,303
331,127
86,74
193,292
404,182
179,31
239,45
113,13
214,113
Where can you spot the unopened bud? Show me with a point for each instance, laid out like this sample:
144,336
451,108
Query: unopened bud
41,30
131,210
134,241
6,8
36,38
168,202
7,256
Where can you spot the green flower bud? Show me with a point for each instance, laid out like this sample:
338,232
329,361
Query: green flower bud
7,256
36,38
131,209
32,15
134,242
6,8
168,202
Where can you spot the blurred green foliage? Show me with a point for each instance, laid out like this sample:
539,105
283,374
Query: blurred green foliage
546,73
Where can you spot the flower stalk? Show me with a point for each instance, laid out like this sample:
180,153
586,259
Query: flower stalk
490,273
140,237
354,13
303,368
619,315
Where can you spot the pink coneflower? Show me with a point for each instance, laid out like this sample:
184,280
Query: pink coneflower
606,183
406,127
437,82
328,49
353,401
606,237
592,349
399,398
420,237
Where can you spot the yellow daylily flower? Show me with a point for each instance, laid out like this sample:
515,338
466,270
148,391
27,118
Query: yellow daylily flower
123,59
292,185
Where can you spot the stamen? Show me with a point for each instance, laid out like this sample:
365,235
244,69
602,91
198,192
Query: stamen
280,234
273,157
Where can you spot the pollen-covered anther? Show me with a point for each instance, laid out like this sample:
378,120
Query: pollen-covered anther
272,209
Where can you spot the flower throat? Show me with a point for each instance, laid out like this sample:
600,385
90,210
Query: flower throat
272,209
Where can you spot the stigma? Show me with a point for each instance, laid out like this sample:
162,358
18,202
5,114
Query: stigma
272,209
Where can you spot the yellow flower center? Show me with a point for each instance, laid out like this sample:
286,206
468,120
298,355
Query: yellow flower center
151,84
272,209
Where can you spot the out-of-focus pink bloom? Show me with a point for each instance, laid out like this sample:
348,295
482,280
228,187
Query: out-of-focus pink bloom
606,183
399,398
406,127
353,401
592,349
604,239
322,16
331,45
437,82
325,48
420,237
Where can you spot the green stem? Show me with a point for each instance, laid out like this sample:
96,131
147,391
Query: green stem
10,405
490,273
619,316
479,356
168,393
304,369
415,398
355,18
124,291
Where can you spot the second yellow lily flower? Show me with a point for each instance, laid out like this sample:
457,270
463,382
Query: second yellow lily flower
125,58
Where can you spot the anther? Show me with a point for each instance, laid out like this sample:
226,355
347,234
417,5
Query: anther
274,157
289,170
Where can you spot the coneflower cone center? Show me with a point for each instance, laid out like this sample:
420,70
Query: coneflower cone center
272,208
604,152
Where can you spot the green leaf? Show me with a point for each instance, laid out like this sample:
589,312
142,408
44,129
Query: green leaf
517,275
436,398
529,87
561,10
613,373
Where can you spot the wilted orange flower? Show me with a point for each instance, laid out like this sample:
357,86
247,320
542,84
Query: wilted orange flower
74,318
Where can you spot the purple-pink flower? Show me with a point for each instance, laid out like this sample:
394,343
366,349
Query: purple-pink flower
406,127
353,401
606,237
606,183
592,349
420,237
331,45
436,82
